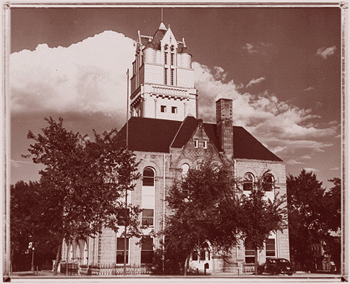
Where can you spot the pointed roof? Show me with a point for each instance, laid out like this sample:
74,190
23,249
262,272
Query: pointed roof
162,26
159,135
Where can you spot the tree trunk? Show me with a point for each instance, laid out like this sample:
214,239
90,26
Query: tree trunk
256,261
57,259
186,264
67,258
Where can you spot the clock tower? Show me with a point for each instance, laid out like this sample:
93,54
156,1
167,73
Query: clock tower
162,82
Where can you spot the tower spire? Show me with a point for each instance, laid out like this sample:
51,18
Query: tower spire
161,15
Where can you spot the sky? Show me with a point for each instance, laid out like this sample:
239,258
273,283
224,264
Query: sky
281,67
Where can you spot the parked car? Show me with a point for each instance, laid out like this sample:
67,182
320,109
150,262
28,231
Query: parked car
276,266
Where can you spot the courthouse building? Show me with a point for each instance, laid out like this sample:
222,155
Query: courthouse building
168,137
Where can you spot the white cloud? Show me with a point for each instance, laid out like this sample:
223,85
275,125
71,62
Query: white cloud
309,89
255,81
286,129
86,77
258,48
325,52
90,78
335,169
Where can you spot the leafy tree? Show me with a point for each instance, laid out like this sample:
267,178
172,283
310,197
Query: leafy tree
332,205
26,227
259,217
203,209
83,181
332,215
313,214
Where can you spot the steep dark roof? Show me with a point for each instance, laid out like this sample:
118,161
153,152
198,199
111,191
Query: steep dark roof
158,135
149,134
246,146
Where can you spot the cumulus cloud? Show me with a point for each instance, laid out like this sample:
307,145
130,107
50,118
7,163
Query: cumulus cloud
255,81
286,129
325,52
89,78
86,77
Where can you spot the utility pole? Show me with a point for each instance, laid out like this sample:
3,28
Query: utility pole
126,186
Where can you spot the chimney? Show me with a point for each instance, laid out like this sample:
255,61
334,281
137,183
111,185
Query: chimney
224,125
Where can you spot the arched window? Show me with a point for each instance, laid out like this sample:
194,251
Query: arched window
185,168
70,252
267,182
78,256
85,257
148,177
248,183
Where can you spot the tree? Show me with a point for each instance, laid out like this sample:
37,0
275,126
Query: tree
313,214
332,205
26,227
203,209
83,181
259,217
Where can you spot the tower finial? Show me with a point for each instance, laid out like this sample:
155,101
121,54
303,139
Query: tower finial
161,15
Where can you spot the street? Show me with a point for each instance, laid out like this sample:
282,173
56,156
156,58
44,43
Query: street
299,277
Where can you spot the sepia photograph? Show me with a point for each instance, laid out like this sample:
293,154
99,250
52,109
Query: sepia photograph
174,142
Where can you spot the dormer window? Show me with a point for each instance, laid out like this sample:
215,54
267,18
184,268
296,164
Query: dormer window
162,108
205,144
196,143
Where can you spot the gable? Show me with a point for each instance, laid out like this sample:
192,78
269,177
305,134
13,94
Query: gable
169,38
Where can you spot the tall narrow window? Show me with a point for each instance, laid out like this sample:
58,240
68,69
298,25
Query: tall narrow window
172,59
147,217
249,255
120,250
147,251
270,248
268,182
205,144
248,182
166,54
85,257
165,76
172,77
196,143
148,177
185,168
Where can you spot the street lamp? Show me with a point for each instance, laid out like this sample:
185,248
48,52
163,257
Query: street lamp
31,246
